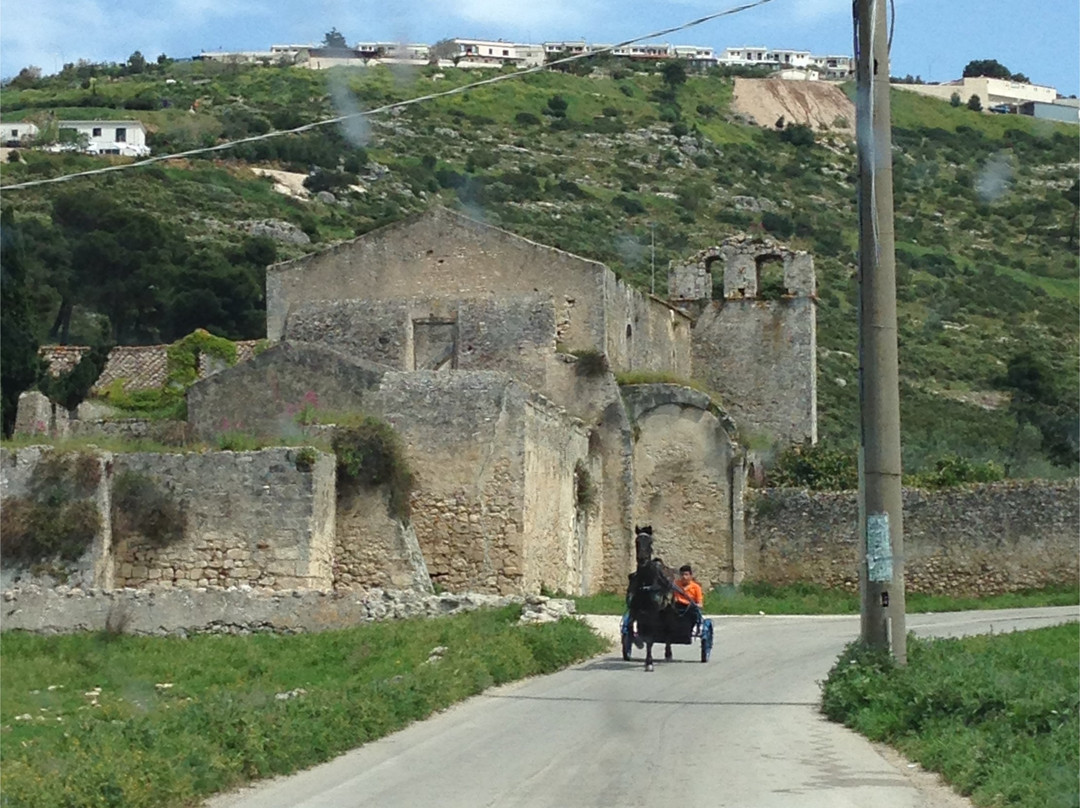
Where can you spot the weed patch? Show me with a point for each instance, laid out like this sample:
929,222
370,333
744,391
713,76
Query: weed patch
996,715
167,722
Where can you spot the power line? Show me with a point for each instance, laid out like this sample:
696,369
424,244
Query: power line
388,107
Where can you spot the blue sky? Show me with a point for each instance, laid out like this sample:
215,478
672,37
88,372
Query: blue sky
932,38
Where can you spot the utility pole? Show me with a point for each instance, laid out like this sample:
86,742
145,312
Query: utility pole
881,519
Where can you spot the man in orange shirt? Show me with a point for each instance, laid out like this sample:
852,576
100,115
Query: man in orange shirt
693,594
688,585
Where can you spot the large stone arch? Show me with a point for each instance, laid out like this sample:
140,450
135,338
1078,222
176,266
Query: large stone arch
688,479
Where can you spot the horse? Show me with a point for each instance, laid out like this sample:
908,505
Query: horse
649,597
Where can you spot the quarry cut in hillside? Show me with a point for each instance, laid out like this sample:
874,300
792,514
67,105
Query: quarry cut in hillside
817,104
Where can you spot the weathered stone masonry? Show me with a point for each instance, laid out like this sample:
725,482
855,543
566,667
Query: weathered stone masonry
976,540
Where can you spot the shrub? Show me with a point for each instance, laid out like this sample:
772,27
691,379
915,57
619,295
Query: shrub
777,224
818,468
798,135
238,441
556,107
953,470
36,531
322,179
142,507
71,389
370,454
527,119
306,458
628,204
584,488
591,362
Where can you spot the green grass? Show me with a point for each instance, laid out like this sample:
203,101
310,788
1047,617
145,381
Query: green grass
996,715
803,598
137,721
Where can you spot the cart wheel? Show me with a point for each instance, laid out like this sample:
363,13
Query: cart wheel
627,645
706,640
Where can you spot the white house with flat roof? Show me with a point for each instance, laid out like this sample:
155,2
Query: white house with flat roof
127,138
834,68
496,53
18,133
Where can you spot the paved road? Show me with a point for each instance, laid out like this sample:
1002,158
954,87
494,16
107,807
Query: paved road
742,730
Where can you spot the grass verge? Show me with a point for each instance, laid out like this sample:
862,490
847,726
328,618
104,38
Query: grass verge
110,720
803,598
996,715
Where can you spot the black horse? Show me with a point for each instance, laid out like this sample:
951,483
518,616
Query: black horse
649,598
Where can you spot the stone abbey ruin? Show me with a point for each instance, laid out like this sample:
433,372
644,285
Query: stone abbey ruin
494,359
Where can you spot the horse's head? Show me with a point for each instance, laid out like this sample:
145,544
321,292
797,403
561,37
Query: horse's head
643,544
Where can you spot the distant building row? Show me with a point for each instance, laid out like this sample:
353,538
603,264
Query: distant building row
1004,95
127,138
488,53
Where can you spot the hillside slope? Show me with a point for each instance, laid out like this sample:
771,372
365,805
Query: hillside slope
817,104
620,167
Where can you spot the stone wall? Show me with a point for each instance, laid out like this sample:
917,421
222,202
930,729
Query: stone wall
755,342
684,454
643,332
976,540
245,518
515,334
259,518
441,254
761,357
467,436
373,548
20,478
269,395
560,528
597,401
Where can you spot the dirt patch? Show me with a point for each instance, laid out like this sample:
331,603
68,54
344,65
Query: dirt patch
286,182
818,104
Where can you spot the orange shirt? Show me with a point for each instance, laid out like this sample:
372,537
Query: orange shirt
693,590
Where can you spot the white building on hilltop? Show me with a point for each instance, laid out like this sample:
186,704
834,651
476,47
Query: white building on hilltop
496,53
126,138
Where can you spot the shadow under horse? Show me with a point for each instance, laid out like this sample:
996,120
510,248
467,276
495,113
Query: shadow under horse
650,599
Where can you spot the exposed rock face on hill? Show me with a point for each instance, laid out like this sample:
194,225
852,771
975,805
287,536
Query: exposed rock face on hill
817,104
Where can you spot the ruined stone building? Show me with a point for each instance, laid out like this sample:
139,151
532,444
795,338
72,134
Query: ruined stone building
494,358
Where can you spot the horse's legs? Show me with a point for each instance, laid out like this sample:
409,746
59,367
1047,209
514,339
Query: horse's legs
648,656
667,651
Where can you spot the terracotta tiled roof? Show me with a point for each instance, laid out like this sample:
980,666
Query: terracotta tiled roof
141,367
61,358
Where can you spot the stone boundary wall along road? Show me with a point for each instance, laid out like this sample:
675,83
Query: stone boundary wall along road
974,540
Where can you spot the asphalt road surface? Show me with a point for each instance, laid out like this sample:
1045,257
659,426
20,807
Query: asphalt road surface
742,730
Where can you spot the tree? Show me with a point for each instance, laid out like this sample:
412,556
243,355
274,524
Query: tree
335,39
955,99
136,63
20,366
27,77
674,75
974,104
556,106
444,49
991,68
